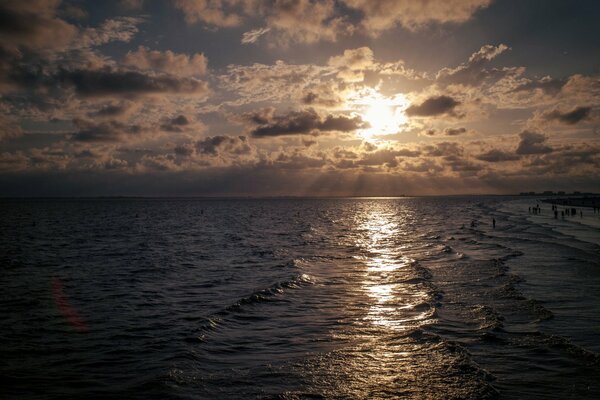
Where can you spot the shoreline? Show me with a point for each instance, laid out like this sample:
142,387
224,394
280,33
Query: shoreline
575,201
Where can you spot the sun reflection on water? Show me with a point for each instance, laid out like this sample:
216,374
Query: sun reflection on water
397,298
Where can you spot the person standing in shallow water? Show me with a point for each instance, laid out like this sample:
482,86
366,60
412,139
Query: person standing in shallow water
494,223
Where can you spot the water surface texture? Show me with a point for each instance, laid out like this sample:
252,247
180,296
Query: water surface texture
298,298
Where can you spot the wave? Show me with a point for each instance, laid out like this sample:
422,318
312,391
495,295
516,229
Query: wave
271,293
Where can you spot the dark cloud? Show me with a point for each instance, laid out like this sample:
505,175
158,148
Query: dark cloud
454,131
323,96
184,150
215,145
462,165
297,160
167,61
344,153
408,153
9,128
86,153
569,117
386,157
310,98
259,117
131,4
446,132
473,72
308,142
106,131
111,110
176,124
305,122
427,165
433,106
122,83
496,155
573,160
368,146
444,149
547,85
533,143
33,24
73,12
373,157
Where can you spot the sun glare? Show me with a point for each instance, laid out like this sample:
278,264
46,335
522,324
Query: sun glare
385,115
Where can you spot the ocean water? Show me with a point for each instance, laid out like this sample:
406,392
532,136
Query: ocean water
415,298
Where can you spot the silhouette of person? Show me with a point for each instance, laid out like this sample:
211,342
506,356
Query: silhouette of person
494,223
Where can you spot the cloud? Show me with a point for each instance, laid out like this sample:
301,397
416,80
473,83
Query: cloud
373,157
105,131
287,21
352,62
124,83
295,160
33,24
304,21
568,117
216,145
9,128
278,82
569,161
121,29
310,21
131,4
532,143
496,155
473,73
73,12
176,124
433,106
259,117
114,110
443,149
454,131
386,14
167,61
354,59
220,13
253,35
327,94
547,85
305,122
463,166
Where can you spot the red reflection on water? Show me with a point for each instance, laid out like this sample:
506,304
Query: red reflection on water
60,299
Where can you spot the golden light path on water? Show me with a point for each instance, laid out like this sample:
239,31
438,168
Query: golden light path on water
398,302
385,303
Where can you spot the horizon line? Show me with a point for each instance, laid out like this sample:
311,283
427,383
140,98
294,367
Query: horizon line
208,197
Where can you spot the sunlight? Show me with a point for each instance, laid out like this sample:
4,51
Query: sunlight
385,115
397,298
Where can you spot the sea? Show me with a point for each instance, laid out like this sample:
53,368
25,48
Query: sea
298,298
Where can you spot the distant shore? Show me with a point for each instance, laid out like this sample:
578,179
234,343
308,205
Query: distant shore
575,201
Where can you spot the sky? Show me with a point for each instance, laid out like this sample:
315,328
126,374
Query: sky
298,97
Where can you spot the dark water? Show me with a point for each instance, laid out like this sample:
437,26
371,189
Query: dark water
327,298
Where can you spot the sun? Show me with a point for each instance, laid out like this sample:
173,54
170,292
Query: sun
385,115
